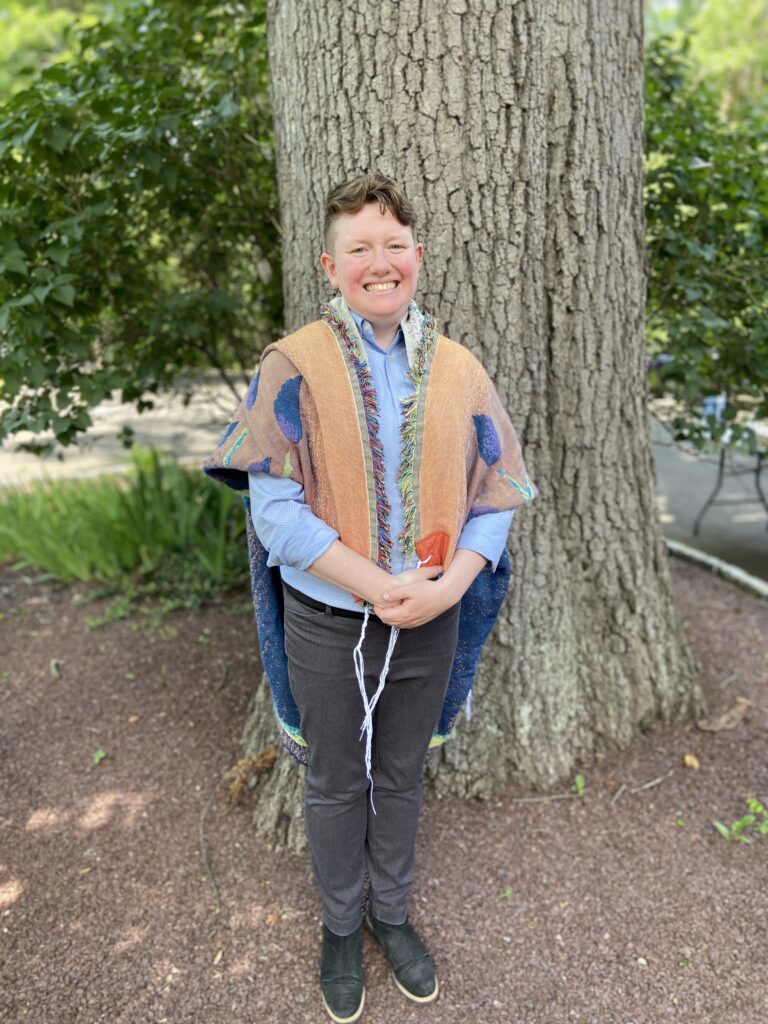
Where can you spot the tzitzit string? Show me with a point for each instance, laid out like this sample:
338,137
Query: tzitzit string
366,729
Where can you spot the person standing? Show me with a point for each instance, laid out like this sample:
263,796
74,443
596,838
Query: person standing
383,474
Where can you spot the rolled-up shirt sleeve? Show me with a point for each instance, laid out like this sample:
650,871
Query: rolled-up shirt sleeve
487,534
287,527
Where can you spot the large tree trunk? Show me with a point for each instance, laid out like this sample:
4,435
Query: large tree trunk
517,130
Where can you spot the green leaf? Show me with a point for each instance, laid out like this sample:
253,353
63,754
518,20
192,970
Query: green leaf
227,107
13,259
98,756
724,831
41,292
65,293
743,823
58,137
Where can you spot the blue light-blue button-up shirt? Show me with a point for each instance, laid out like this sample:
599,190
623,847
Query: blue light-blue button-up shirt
295,537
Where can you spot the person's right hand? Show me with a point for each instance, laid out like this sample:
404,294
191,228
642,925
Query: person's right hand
406,578
424,572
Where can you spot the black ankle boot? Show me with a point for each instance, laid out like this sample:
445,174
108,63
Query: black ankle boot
412,968
341,975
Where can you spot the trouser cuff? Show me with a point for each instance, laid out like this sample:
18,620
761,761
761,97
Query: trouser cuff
339,927
389,915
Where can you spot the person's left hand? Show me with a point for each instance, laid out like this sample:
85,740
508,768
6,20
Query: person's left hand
419,603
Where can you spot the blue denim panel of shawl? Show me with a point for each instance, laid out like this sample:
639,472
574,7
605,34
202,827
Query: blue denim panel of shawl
480,607
267,591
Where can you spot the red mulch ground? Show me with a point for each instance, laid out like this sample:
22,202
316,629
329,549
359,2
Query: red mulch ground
605,910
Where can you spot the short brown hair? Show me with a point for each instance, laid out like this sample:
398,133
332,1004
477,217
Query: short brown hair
372,187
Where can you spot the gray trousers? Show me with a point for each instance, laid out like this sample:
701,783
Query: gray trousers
346,837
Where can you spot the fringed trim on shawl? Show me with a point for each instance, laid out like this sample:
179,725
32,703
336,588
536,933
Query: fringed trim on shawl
408,430
370,405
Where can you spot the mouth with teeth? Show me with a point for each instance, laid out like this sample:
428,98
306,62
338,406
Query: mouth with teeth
384,286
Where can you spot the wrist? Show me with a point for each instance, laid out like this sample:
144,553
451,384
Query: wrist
379,585
450,589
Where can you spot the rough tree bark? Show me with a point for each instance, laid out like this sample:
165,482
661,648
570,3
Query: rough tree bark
517,130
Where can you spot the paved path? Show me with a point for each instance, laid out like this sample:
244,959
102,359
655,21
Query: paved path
188,431
736,533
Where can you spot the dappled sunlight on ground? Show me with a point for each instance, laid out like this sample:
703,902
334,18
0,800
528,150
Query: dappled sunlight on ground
132,938
45,817
113,806
104,807
10,891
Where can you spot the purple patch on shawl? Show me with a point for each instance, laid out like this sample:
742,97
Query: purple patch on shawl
227,432
287,412
480,510
253,387
260,467
487,440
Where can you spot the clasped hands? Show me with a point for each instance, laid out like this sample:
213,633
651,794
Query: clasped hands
413,598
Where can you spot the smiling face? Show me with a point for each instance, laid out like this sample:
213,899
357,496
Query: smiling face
374,262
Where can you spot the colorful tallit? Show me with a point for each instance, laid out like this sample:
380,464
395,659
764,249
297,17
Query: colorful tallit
311,414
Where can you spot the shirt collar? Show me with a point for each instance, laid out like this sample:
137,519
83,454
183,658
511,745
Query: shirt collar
366,330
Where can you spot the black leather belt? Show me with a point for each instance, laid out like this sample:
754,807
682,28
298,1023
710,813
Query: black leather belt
328,609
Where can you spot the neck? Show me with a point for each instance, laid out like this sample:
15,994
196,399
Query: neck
384,336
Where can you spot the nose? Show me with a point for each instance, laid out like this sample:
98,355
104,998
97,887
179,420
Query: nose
380,260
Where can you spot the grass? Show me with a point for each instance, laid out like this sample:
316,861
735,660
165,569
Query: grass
160,532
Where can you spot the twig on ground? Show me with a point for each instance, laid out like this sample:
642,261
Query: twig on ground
204,851
618,792
542,799
653,782
224,670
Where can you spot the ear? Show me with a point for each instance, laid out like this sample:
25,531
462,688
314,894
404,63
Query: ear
328,263
419,252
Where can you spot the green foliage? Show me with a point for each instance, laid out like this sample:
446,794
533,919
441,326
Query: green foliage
138,214
730,44
728,41
34,36
162,533
707,235
749,826
579,785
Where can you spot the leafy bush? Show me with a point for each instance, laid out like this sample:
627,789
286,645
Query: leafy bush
707,235
138,214
161,531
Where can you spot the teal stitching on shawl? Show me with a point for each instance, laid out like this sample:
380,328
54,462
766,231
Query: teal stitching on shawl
345,331
411,436
525,490
235,446
294,734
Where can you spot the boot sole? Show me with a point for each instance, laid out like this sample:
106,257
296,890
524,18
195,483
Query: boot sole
417,999
345,1020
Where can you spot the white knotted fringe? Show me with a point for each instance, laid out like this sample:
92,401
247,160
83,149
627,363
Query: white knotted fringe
367,727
